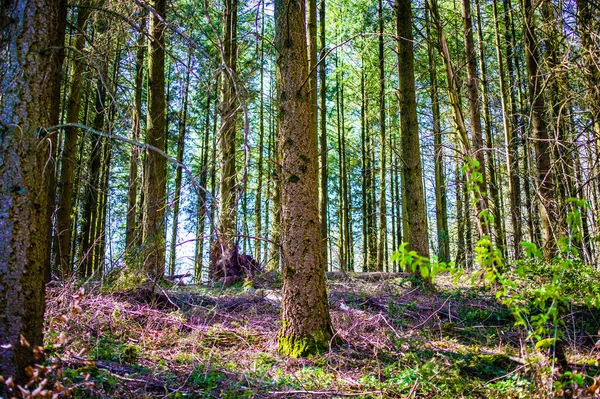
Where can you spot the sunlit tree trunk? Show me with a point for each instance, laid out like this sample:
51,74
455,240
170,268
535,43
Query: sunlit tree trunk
323,197
412,173
306,324
227,223
440,178
155,164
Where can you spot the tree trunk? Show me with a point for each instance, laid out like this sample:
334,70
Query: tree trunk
65,196
29,31
155,164
496,205
440,179
178,173
545,178
323,198
306,324
381,255
477,183
412,173
510,141
202,194
134,157
90,202
227,224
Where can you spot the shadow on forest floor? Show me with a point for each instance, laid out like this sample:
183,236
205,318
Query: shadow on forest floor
222,343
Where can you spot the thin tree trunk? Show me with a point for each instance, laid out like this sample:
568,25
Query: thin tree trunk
381,255
479,183
90,202
200,227
500,236
545,178
65,196
510,141
440,179
227,224
323,199
178,172
134,157
261,141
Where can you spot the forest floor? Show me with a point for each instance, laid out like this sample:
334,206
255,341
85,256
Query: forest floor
196,341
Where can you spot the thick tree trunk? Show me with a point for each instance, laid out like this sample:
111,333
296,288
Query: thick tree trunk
155,168
29,31
412,173
306,324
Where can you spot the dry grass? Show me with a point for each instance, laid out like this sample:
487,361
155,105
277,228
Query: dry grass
202,342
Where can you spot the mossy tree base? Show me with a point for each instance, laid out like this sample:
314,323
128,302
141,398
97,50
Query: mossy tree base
295,346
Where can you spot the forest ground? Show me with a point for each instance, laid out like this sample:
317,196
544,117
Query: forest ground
396,342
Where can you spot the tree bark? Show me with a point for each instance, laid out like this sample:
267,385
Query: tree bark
306,324
29,33
227,224
155,164
412,173
323,198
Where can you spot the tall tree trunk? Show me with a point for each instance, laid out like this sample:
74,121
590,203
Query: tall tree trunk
440,179
306,324
155,164
59,46
381,256
65,196
90,201
202,195
323,198
227,224
412,173
261,142
545,178
496,208
478,183
178,173
29,31
364,159
134,157
510,141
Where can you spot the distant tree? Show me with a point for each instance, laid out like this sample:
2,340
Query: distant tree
30,35
306,323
